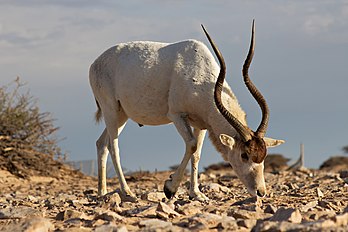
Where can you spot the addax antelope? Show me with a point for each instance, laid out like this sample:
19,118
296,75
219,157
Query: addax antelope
155,83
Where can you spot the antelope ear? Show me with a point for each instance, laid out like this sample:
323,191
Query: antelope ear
226,140
272,142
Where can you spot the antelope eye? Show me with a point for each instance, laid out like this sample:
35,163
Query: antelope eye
244,157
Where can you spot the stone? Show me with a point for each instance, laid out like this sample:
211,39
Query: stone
292,186
64,197
135,211
111,227
32,199
49,204
164,211
209,220
214,187
151,224
320,225
112,199
149,212
34,224
250,200
189,209
228,224
19,212
309,206
326,205
97,222
341,220
287,214
74,222
243,214
320,194
109,216
69,214
153,196
278,226
78,229
270,209
322,215
247,223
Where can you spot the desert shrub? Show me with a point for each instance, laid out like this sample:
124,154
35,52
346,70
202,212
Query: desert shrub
345,149
27,135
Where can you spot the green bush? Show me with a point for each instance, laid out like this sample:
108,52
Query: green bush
26,134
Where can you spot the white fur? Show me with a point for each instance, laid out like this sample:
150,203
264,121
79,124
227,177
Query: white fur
159,83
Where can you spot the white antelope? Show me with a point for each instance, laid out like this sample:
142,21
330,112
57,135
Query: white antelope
159,83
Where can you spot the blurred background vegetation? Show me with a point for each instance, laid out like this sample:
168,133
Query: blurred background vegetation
27,135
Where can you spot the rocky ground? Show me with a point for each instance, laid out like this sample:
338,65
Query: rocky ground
301,200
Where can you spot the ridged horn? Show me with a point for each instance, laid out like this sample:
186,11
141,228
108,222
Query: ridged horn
243,131
261,130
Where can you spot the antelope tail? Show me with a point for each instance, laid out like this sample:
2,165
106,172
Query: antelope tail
98,115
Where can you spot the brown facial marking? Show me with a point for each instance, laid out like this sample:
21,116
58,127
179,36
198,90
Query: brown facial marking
256,148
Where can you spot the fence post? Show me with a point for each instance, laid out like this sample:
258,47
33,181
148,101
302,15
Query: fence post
92,168
80,166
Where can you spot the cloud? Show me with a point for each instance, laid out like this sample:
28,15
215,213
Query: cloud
60,3
27,39
344,11
317,24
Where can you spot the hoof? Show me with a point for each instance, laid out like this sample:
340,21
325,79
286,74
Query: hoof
198,196
102,192
128,198
169,194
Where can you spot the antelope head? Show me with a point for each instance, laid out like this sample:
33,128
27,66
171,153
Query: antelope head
247,150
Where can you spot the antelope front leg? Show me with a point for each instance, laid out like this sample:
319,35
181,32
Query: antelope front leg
181,123
195,193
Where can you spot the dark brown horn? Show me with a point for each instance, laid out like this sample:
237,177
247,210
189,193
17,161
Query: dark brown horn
244,132
261,130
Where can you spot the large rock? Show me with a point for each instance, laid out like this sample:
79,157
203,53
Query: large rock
36,224
153,196
243,214
70,214
208,219
287,214
111,227
341,220
214,187
19,212
157,225
228,224
309,205
191,208
165,211
109,216
270,209
247,223
278,226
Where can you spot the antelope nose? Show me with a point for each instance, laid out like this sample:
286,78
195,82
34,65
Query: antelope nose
261,193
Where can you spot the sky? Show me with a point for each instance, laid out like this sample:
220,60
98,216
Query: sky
300,65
